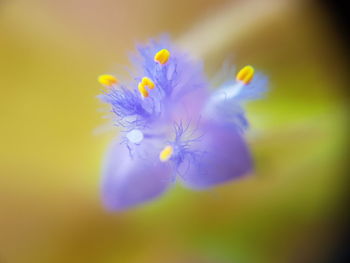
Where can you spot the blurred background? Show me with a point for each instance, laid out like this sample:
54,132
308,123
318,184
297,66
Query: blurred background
53,136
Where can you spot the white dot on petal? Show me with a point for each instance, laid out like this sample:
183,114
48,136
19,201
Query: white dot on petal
135,136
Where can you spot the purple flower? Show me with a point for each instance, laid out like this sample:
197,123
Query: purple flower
173,126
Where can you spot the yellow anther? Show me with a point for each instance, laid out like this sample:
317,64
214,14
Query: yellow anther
147,82
162,56
166,153
245,75
143,90
107,80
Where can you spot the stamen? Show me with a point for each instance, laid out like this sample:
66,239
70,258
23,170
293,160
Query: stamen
147,82
166,153
162,56
107,80
245,75
143,90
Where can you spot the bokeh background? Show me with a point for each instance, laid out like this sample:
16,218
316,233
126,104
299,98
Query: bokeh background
53,136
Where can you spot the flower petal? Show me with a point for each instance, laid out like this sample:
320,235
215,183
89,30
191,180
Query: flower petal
129,180
224,157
